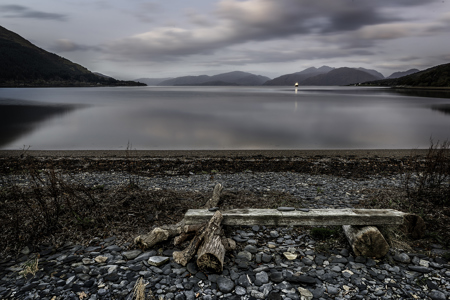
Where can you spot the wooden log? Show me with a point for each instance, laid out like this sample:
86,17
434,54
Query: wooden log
215,199
204,235
274,217
188,233
366,241
211,254
183,257
228,243
163,233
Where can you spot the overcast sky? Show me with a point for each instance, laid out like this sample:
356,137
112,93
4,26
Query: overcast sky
169,38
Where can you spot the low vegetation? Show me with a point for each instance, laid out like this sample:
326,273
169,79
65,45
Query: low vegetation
426,193
51,207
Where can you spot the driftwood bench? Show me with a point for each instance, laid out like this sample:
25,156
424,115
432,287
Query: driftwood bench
358,224
274,217
209,244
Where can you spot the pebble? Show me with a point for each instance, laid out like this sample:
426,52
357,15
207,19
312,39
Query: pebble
257,269
158,260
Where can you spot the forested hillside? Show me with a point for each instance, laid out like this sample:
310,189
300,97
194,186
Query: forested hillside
24,64
438,76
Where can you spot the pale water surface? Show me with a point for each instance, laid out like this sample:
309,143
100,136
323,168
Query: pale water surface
221,118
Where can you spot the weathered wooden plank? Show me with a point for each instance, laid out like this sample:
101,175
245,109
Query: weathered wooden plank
273,217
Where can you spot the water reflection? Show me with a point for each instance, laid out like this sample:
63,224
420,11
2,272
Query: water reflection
436,93
19,118
442,108
223,118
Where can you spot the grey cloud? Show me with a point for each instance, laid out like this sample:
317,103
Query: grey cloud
261,56
64,45
19,11
239,22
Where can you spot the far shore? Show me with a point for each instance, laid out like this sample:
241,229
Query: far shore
215,153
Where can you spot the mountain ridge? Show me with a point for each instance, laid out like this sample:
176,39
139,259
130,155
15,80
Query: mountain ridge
230,78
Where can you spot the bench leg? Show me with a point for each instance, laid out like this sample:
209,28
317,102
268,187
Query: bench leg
366,240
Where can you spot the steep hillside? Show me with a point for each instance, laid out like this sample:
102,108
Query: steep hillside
291,79
438,76
340,76
24,64
401,74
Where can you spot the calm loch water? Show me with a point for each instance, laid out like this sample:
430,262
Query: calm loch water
221,118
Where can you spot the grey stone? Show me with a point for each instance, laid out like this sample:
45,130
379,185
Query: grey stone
102,292
114,248
158,260
274,234
83,277
301,279
437,295
244,280
318,292
225,284
257,294
132,254
113,277
419,269
307,261
245,255
239,290
25,250
274,296
145,256
303,209
266,258
285,208
276,277
251,248
305,294
262,277
190,295
402,258
180,297
332,290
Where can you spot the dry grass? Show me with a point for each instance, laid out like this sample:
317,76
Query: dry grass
139,291
30,267
53,209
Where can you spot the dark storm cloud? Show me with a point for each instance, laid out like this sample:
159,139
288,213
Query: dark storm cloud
238,22
19,11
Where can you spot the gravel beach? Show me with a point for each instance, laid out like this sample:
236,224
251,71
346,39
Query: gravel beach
269,262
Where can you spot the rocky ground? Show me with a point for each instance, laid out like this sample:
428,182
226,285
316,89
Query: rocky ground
93,257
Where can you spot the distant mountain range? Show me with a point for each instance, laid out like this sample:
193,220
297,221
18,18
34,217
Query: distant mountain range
327,76
152,81
438,76
24,64
230,78
324,75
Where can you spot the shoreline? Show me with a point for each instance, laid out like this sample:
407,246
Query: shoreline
355,153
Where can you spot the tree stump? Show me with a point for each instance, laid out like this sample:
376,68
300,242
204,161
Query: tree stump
366,240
